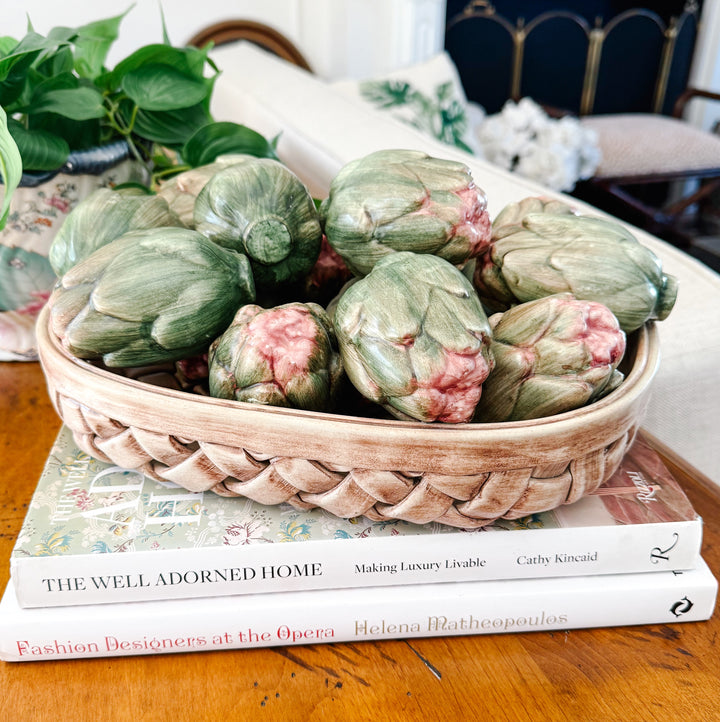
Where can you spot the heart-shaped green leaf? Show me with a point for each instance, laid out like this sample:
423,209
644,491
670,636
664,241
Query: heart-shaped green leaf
58,63
39,149
79,134
92,43
216,139
186,60
163,87
81,103
10,166
171,127
57,81
24,53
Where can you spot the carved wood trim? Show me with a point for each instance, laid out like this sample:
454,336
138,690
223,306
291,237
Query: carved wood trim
230,31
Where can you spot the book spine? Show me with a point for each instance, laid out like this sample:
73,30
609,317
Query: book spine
353,615
187,573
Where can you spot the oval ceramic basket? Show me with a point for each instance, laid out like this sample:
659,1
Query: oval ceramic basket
464,475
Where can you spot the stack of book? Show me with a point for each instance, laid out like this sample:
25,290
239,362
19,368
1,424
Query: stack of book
110,562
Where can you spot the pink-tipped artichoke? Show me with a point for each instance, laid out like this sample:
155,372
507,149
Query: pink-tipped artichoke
282,356
404,200
552,355
415,339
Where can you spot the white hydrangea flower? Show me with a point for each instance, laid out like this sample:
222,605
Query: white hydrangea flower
499,145
524,116
555,152
590,155
552,165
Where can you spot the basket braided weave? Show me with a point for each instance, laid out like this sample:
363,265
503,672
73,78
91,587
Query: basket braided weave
465,475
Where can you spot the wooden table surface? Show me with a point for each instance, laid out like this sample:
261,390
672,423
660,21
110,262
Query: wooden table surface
661,672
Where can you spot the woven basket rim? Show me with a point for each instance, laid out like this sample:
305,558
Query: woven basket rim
355,441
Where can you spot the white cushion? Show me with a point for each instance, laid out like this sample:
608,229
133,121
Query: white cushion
644,144
321,130
427,95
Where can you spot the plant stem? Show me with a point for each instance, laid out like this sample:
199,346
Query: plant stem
114,121
159,175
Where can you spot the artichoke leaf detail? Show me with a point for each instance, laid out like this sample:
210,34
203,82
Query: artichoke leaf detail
510,218
181,191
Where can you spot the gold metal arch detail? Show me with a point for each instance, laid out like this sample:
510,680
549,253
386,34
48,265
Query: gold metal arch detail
596,36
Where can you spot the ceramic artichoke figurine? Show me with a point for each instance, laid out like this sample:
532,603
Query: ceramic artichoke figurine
404,200
102,217
283,356
592,258
327,276
262,209
150,296
415,339
551,355
181,191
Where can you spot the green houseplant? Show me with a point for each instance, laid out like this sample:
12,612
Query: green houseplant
60,102
57,95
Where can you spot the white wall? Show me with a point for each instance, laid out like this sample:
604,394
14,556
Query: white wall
705,71
339,38
143,23
362,38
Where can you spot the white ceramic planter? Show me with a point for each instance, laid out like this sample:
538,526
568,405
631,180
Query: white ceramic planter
39,207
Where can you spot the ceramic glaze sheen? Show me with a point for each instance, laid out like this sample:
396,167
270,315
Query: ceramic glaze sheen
463,475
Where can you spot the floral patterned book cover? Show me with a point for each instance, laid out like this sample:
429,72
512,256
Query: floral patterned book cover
96,532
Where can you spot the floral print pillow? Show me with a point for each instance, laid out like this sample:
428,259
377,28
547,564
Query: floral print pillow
26,276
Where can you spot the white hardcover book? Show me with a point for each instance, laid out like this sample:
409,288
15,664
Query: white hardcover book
95,533
352,615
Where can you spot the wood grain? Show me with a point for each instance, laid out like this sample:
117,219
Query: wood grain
660,672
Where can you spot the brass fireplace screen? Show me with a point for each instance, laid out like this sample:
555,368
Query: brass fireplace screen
635,62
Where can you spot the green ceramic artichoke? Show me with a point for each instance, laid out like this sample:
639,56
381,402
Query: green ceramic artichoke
102,217
551,355
404,200
415,339
150,296
181,191
591,258
283,356
260,208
